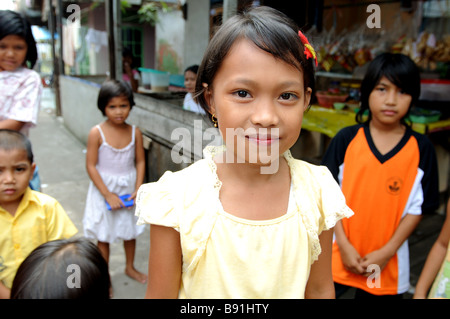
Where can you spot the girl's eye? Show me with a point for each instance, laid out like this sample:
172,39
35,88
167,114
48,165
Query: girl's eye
242,93
287,96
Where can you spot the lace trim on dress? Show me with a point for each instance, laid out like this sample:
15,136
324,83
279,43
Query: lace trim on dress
209,152
311,228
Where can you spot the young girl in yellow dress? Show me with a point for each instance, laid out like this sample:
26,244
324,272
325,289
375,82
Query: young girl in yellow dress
248,221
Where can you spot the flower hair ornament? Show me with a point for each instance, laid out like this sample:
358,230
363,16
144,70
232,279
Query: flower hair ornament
309,50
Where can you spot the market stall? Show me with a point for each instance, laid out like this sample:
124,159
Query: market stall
350,39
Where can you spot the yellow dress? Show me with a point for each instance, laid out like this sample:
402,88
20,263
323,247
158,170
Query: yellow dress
229,257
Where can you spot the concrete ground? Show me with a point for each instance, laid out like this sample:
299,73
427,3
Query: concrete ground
61,161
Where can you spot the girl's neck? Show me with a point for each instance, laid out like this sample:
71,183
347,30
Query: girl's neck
109,123
248,194
397,128
251,173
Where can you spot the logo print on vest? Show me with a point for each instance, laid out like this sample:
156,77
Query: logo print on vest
394,185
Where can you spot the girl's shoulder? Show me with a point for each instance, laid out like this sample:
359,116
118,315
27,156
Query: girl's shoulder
175,193
95,135
21,75
27,73
316,174
189,180
95,130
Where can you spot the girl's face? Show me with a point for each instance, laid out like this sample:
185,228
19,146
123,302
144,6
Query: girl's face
258,101
118,109
189,81
388,103
13,51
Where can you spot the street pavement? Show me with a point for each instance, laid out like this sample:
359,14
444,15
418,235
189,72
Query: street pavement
60,157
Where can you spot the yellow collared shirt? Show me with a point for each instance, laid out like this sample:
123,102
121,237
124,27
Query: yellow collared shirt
38,219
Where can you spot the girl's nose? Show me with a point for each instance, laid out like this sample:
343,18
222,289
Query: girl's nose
9,52
265,114
391,98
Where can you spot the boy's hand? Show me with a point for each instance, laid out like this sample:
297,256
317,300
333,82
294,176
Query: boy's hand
378,257
352,260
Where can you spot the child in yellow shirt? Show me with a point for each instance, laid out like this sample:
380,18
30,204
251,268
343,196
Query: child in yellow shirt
27,218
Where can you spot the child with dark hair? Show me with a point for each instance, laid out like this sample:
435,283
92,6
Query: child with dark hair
27,218
111,89
115,162
130,74
243,222
388,174
63,269
190,77
20,86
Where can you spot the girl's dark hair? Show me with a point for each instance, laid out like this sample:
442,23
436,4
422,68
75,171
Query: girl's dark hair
398,69
46,272
13,23
111,89
192,68
15,140
270,30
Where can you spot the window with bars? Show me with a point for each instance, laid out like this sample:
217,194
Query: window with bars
132,38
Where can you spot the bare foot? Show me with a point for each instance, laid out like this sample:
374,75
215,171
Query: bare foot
136,275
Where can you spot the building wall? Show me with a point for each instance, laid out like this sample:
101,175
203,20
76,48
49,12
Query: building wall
170,42
196,33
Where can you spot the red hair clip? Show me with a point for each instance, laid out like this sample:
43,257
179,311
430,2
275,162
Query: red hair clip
309,50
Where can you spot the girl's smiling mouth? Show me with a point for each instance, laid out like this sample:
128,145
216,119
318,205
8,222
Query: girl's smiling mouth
263,139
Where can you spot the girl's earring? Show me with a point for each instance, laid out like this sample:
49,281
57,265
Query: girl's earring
214,120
